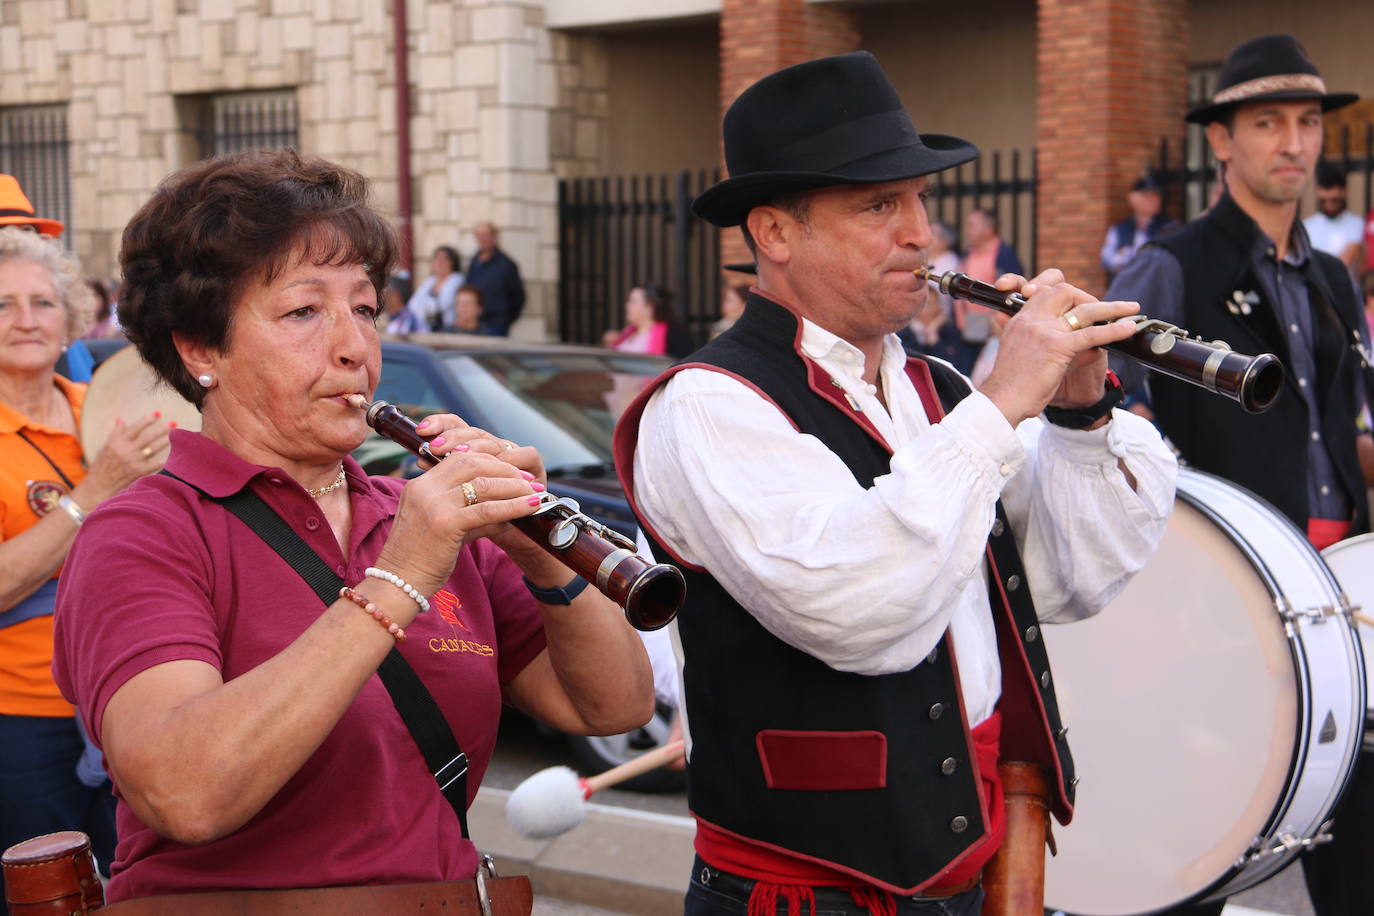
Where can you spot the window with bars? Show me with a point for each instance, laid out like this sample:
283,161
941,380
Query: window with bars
34,149
230,122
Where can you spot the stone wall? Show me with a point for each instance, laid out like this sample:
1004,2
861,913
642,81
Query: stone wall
500,106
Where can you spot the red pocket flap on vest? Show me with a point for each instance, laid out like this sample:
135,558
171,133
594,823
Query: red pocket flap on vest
823,761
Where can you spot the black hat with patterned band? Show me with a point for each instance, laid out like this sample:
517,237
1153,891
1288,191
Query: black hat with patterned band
832,121
1269,67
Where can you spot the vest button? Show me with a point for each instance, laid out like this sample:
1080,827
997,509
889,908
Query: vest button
997,527
1032,633
1013,583
948,766
1044,679
934,654
959,824
1062,733
936,711
312,523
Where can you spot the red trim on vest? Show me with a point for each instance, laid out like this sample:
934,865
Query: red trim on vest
625,441
759,861
822,761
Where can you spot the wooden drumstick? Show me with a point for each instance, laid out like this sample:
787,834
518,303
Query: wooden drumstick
1362,618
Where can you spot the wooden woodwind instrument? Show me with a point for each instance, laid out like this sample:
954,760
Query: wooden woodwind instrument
650,593
1014,878
1251,381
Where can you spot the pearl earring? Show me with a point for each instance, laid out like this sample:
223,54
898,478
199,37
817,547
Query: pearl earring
205,381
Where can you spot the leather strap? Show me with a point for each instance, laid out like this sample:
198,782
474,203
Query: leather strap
509,897
422,716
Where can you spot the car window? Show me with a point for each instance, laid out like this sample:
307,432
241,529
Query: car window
405,385
564,404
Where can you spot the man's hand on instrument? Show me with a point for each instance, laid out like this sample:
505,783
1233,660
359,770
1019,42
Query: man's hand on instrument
1049,350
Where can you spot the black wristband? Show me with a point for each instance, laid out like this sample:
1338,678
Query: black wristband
564,595
1083,417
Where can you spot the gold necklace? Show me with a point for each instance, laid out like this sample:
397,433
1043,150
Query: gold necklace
338,482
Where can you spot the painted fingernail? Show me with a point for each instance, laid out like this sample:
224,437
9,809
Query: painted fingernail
527,475
435,443
157,415
534,500
537,487
173,424
422,424
462,447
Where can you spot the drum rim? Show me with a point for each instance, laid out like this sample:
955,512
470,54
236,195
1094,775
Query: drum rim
1307,796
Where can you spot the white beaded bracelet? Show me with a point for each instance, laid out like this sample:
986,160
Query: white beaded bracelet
69,506
400,583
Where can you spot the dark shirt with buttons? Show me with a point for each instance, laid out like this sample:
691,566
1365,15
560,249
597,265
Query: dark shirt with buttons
1155,279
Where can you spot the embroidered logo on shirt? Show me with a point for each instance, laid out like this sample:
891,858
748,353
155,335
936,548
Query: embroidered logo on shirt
1242,302
43,495
447,604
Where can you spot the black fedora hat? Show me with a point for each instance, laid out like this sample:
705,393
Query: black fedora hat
836,120
1269,67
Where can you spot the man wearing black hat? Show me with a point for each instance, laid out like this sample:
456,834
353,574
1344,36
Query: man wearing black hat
1146,223
1246,273
859,641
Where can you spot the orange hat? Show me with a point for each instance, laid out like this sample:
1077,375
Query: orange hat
15,209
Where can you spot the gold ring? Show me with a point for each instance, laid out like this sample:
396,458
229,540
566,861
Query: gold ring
1072,320
469,493
147,451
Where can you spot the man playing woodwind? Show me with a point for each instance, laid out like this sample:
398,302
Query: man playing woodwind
1245,272
841,513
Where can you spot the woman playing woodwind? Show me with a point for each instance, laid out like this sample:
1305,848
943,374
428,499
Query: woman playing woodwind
249,741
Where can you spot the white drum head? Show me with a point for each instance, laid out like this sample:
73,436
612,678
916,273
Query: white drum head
1182,708
1352,561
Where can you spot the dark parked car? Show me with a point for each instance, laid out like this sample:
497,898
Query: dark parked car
562,399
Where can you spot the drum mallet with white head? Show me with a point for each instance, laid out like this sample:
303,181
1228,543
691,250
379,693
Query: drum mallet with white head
554,801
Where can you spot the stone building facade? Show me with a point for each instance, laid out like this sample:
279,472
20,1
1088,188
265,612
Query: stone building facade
508,96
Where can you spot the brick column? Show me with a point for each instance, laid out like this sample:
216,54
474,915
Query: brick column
1113,80
760,36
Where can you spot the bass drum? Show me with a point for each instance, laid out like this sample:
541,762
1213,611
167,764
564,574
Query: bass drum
1352,561
124,386
1216,708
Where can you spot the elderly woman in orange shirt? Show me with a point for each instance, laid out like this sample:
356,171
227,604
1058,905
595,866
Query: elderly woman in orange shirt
46,490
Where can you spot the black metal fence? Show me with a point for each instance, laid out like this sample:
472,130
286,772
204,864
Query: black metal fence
1005,185
242,120
616,233
35,150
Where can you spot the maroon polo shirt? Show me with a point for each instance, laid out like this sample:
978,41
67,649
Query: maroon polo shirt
160,573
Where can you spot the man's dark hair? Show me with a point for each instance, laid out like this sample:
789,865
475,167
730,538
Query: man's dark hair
660,299
214,228
1330,174
796,204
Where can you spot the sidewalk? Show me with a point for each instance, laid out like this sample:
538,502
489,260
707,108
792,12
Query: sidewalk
618,860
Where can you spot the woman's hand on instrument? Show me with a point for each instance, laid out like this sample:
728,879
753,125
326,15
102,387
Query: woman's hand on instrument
134,449
1049,350
470,494
449,434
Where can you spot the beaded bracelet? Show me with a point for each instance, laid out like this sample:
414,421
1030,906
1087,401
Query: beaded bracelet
400,583
361,601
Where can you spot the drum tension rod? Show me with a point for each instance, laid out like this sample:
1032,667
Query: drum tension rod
1284,842
1315,614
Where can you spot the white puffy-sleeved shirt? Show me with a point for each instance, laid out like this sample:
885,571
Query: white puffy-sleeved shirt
868,579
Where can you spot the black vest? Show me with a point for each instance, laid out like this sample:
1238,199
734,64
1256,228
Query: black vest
869,774
1265,453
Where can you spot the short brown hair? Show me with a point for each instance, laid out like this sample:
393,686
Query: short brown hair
214,227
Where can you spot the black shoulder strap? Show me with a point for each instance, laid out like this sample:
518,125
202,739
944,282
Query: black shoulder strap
418,710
